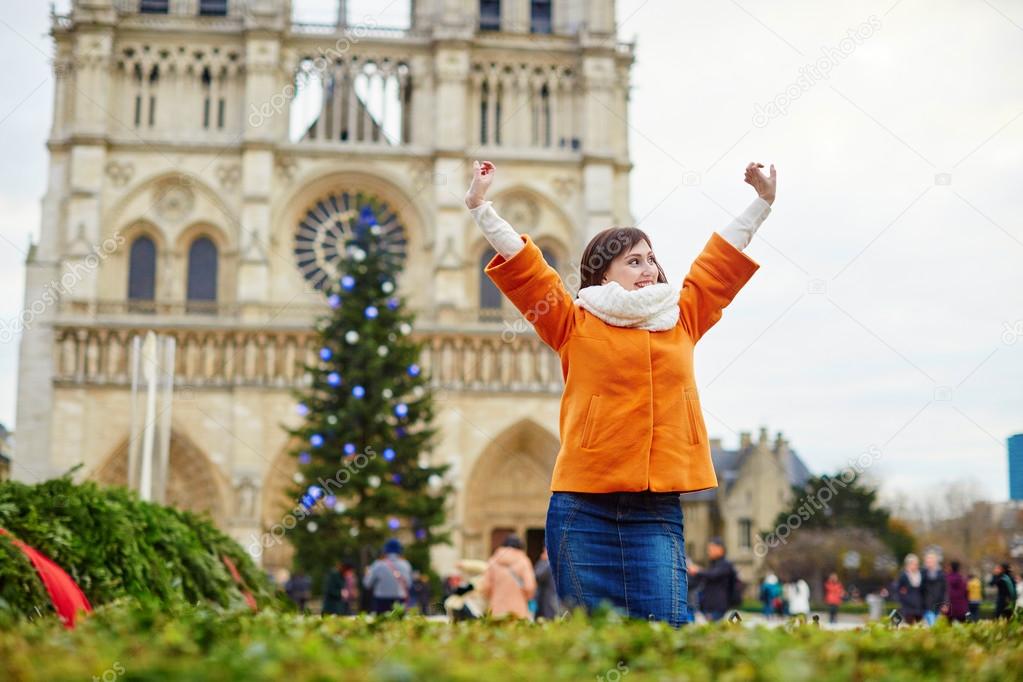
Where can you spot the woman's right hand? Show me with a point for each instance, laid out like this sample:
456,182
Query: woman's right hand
482,177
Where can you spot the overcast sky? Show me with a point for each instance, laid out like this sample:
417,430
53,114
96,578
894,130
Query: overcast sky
888,309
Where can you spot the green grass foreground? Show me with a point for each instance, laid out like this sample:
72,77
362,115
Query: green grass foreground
189,643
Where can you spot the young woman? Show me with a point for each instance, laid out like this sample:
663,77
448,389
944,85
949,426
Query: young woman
632,431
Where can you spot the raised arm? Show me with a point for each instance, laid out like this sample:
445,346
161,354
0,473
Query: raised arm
519,269
722,269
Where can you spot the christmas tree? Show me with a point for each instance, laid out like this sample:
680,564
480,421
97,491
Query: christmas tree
364,475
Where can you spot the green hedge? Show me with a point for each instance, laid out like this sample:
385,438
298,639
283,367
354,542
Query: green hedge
188,643
114,545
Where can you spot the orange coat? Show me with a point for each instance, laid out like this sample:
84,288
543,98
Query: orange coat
630,416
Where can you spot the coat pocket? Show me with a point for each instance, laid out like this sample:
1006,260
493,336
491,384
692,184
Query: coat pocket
691,400
588,424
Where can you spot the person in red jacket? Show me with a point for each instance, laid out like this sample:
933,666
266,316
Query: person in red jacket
833,595
632,433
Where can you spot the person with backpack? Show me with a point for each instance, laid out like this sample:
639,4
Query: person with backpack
1002,580
722,588
389,578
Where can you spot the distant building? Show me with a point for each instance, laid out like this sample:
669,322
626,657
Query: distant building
1016,467
754,486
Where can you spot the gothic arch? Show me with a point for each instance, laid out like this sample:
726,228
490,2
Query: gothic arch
509,486
195,483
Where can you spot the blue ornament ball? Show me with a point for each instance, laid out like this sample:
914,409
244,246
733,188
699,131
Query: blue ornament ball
301,409
334,379
304,458
330,501
348,282
389,454
401,409
393,523
334,301
392,303
358,391
371,311
413,370
316,491
349,448
326,354
316,440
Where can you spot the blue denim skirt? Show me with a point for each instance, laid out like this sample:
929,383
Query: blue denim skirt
625,549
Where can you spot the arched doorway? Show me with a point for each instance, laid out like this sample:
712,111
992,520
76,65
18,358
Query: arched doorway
509,490
195,483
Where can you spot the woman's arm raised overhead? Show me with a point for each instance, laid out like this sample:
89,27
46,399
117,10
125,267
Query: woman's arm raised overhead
721,269
519,269
502,236
740,231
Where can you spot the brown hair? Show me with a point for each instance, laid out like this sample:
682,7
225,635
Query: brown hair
605,246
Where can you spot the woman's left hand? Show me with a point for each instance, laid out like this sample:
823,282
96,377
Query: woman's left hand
763,184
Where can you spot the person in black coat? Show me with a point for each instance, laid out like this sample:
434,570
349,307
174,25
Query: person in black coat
716,580
1003,580
935,588
547,604
908,588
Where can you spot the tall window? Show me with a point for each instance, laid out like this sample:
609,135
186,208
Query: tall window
490,295
540,16
202,275
549,256
142,274
484,109
213,8
490,15
745,533
145,94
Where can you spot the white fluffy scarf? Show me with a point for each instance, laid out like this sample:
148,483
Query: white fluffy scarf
653,307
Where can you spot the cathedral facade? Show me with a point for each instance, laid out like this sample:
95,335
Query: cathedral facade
205,157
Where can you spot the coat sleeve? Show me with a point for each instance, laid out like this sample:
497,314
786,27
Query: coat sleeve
716,276
536,290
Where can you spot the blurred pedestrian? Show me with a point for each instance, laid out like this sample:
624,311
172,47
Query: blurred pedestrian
333,602
958,593
1002,580
833,594
509,582
547,604
717,581
389,578
770,596
798,593
935,587
299,589
908,588
975,594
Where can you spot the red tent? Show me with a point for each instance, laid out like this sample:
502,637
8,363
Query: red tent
65,594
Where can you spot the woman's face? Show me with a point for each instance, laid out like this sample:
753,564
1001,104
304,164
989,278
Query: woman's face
635,269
